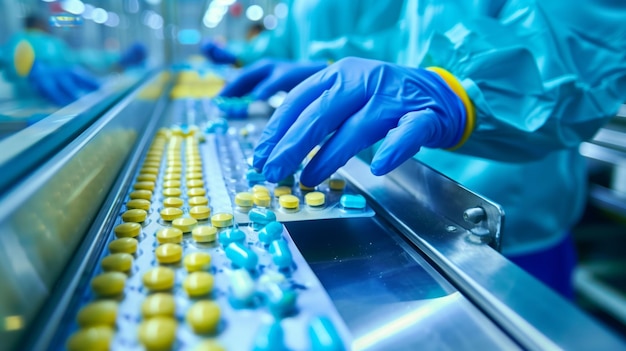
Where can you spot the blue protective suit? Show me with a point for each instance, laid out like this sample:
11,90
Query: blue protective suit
543,77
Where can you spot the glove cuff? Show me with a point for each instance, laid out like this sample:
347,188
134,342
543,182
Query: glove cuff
23,58
457,88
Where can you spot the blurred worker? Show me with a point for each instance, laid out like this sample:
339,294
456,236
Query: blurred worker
314,33
514,88
38,63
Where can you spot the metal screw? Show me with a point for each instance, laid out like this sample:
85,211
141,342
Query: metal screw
474,215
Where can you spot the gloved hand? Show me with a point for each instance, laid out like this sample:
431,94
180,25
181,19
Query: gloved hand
61,85
133,56
267,77
217,54
360,101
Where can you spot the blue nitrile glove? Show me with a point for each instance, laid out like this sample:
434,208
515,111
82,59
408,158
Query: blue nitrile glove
267,77
217,54
360,101
133,56
61,85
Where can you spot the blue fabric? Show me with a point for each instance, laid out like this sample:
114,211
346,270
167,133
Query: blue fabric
554,266
359,102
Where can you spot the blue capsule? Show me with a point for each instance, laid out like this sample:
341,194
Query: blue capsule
324,336
261,216
280,253
272,231
254,177
231,235
219,125
270,337
281,302
241,256
356,202
241,287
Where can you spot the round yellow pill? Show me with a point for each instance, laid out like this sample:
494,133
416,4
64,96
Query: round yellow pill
150,162
172,176
194,175
138,204
136,216
204,234
144,186
146,177
282,190
158,333
150,170
109,283
200,212
159,278
171,184
173,202
174,163
306,188
198,284
103,312
173,169
118,262
175,192
195,183
196,192
159,304
315,198
203,317
92,338
336,184
127,230
222,220
168,253
171,213
169,235
141,194
208,345
197,261
243,199
194,162
262,199
260,189
123,245
184,224
198,201
194,169
289,202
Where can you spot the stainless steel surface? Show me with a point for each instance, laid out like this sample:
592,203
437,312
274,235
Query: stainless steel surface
532,314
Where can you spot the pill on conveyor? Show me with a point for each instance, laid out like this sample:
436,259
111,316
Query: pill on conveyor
198,284
159,278
203,317
244,199
172,192
171,213
336,184
127,230
153,162
305,188
103,312
269,337
149,170
253,177
144,186
315,199
261,216
200,212
281,255
289,202
281,190
158,333
172,176
141,194
198,201
146,177
159,304
272,231
281,302
174,164
289,181
258,188
168,253
192,192
324,336
261,199
204,234
93,338
241,256
173,202
208,345
169,235
125,245
350,201
194,175
136,216
109,283
197,261
185,224
138,204
118,262
222,220
194,169
174,169
241,286
171,184
195,183
231,235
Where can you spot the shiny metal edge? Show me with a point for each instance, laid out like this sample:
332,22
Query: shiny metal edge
532,314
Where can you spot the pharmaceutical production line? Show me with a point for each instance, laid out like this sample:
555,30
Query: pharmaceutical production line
132,220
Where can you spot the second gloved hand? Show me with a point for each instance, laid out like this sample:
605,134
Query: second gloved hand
359,102
133,56
61,85
267,77
217,54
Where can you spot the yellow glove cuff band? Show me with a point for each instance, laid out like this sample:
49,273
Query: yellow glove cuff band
457,88
23,58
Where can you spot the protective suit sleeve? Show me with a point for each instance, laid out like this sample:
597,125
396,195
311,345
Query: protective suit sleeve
539,82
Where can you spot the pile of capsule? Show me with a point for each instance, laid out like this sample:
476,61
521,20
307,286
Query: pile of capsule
219,246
